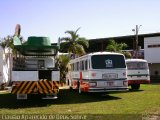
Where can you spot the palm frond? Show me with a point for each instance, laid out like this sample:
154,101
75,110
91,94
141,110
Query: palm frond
115,47
67,39
76,43
111,48
82,41
80,50
77,30
64,46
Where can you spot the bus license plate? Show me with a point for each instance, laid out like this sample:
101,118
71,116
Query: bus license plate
110,84
138,76
109,76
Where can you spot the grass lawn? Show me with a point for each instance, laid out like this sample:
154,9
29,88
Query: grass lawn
144,101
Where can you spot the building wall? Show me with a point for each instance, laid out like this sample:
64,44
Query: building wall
1,65
152,49
154,68
151,54
5,66
154,72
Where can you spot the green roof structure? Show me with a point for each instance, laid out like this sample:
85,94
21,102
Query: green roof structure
35,46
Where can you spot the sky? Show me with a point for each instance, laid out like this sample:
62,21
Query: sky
96,18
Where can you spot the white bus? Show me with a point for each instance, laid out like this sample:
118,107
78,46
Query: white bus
98,72
137,72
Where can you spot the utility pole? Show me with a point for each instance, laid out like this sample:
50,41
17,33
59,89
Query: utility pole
136,39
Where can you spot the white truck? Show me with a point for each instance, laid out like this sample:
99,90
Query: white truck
34,70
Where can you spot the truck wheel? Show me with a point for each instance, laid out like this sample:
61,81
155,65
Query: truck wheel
135,86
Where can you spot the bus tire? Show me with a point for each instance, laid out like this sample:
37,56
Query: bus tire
135,86
68,83
70,88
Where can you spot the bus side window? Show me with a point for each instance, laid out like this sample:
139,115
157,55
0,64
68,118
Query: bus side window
86,65
82,65
73,66
89,64
77,66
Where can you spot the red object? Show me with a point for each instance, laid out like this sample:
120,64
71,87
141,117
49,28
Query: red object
80,76
130,82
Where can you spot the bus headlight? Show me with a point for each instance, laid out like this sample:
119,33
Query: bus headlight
93,84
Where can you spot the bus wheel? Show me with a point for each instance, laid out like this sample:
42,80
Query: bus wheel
68,83
70,88
135,86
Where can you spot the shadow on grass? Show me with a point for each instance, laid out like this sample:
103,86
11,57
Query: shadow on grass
65,96
131,90
156,83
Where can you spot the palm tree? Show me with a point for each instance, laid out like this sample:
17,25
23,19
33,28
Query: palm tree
74,44
127,54
118,47
63,65
115,47
6,42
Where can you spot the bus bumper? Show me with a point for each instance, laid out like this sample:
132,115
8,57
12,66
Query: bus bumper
130,82
107,89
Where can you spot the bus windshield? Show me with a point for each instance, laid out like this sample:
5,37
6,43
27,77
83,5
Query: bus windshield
137,65
108,61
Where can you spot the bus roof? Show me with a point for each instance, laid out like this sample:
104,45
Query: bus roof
101,53
104,53
136,60
96,53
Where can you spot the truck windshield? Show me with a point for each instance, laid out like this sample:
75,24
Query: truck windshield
137,65
108,61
